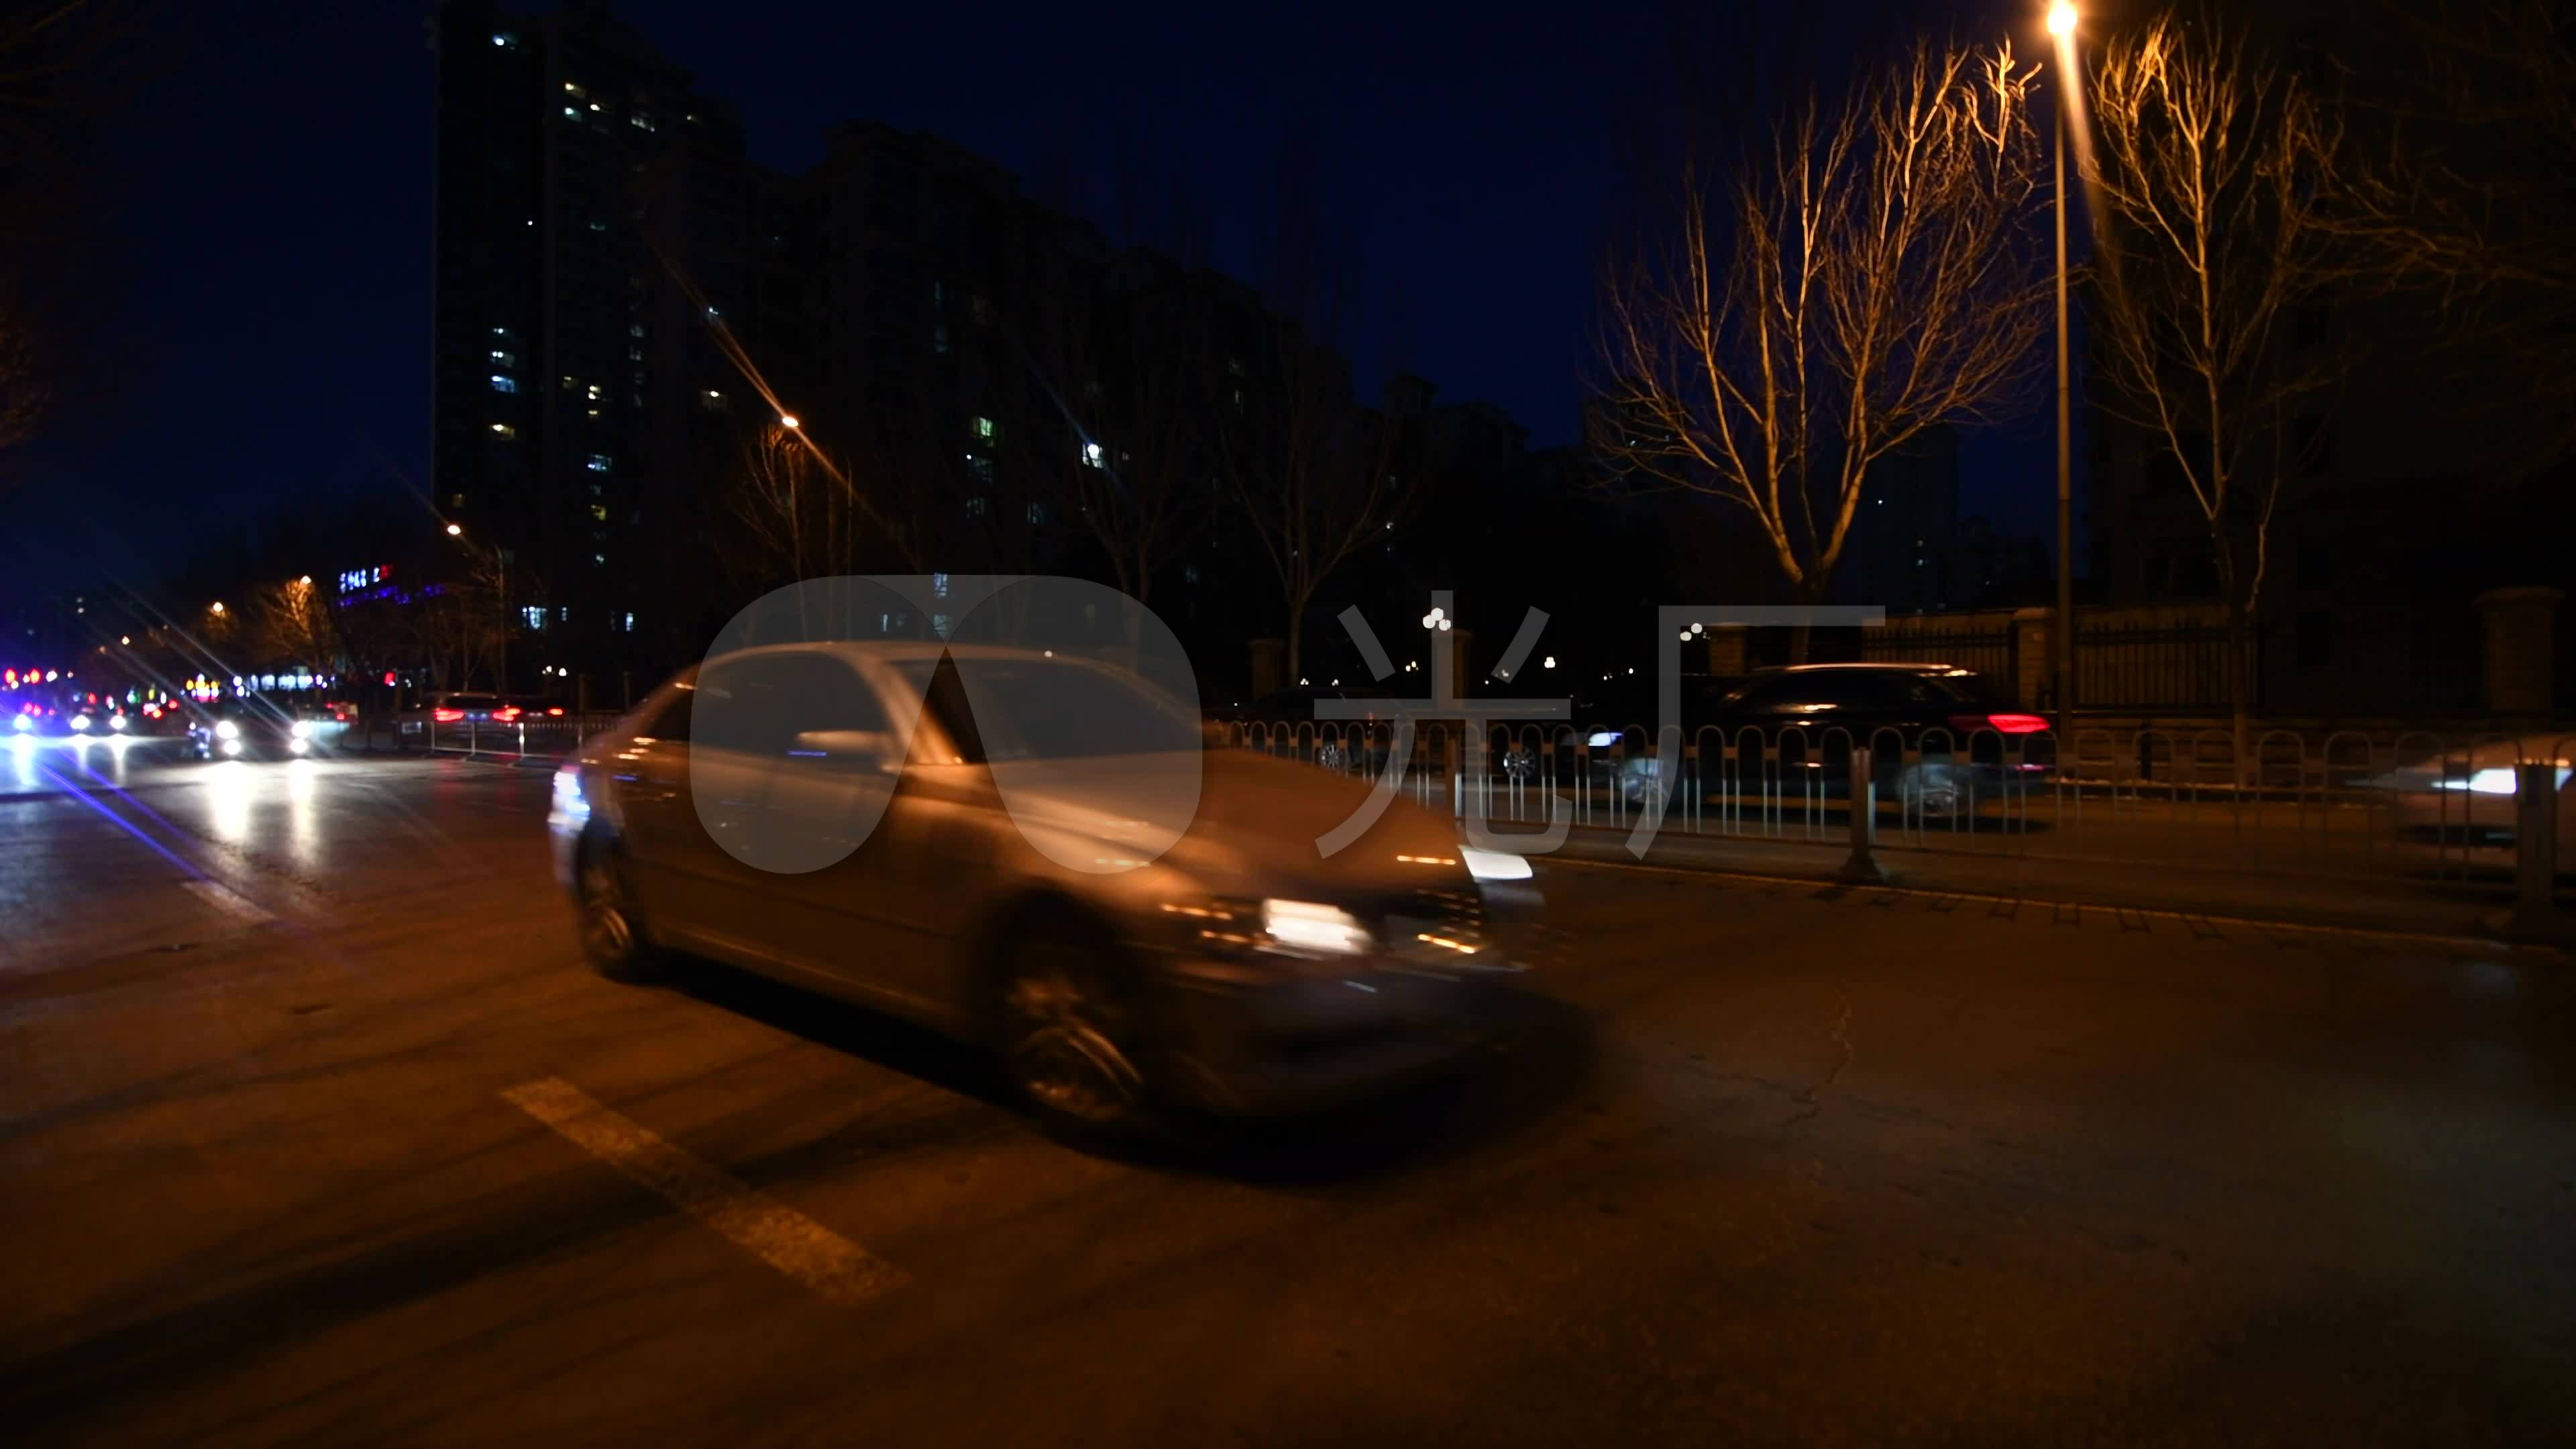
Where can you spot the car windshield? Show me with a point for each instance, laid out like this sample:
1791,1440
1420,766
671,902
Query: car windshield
1000,710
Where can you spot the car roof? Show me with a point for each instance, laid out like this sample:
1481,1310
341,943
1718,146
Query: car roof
899,650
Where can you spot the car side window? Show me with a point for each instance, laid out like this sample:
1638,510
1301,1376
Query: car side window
760,704
672,722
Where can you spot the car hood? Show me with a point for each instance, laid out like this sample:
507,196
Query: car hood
1241,822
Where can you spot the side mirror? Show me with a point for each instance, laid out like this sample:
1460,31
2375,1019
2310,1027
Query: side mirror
853,750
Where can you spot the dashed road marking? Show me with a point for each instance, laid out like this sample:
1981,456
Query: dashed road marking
832,1266
229,901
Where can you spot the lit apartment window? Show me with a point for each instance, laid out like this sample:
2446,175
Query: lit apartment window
599,462
640,121
1092,456
504,430
535,614
981,467
635,329
504,359
599,511
503,384
594,392
1037,513
599,558
628,622
635,354
571,89
501,332
984,429
572,113
975,507
939,338
505,40
599,226
570,382
713,401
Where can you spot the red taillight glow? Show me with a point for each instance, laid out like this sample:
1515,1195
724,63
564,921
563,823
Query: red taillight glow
558,709
447,716
2002,724
506,713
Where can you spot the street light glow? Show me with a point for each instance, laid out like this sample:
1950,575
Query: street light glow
455,531
2061,18
305,582
216,607
788,421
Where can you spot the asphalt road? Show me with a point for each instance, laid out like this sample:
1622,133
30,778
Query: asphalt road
1771,1164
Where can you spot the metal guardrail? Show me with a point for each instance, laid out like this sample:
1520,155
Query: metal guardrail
527,736
2341,804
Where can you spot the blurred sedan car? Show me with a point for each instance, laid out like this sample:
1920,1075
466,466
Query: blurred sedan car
1040,856
253,732
2471,797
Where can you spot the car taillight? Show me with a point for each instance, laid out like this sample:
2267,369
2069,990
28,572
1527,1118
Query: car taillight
447,716
506,713
558,709
2002,724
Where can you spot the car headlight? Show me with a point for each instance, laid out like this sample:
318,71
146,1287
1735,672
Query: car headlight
1601,739
23,722
227,730
80,722
1494,864
302,729
1313,927
571,808
2494,780
116,721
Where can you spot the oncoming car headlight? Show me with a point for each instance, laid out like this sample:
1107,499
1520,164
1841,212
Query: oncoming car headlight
227,730
302,729
116,722
80,722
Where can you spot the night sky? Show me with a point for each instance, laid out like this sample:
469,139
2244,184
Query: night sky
270,207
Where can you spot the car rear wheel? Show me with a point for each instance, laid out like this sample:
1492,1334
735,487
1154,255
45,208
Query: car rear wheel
612,932
1068,1035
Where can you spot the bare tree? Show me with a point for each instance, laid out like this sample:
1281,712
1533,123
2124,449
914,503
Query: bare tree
1868,277
1318,476
2214,171
293,624
1127,375
2470,199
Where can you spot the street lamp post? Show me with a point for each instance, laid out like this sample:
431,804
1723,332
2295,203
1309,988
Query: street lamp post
2061,25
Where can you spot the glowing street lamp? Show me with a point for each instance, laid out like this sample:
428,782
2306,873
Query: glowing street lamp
789,421
216,607
2061,18
455,530
304,582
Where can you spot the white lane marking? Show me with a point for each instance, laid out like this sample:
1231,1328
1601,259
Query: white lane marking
835,1268
229,901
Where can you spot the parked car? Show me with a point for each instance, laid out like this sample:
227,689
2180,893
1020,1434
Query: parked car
461,711
966,838
1970,739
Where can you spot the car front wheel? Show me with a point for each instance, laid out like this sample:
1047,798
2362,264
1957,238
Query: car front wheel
612,932
1068,1035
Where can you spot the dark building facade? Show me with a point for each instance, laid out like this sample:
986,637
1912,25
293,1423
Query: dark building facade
595,216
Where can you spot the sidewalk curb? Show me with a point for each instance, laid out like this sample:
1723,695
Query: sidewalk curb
2475,925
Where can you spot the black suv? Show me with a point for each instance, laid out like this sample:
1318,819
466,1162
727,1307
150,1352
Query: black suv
1969,740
